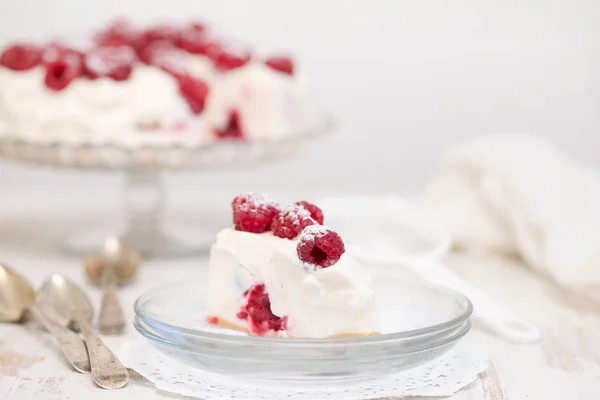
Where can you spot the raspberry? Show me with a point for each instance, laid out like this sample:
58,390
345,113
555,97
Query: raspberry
315,212
112,62
320,246
193,39
253,212
63,70
157,34
281,64
54,51
198,26
165,56
233,128
148,39
194,91
257,312
119,33
227,60
210,47
291,221
21,57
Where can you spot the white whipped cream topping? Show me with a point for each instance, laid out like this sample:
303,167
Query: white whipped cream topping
89,107
269,103
318,302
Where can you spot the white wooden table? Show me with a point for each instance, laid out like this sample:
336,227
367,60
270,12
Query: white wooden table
564,366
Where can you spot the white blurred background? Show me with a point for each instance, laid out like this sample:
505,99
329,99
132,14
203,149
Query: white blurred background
404,79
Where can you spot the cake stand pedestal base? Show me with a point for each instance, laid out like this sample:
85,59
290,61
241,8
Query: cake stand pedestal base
175,240
146,229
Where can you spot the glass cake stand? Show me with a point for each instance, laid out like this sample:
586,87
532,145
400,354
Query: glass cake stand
143,163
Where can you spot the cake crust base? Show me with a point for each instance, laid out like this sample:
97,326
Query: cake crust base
213,320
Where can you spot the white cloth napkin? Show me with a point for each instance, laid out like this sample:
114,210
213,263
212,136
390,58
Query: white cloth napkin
520,194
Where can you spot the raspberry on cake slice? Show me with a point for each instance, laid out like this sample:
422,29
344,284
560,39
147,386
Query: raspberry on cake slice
320,246
291,221
254,212
280,273
256,311
315,212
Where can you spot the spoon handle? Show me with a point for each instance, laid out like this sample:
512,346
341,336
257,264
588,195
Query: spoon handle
107,370
111,320
70,343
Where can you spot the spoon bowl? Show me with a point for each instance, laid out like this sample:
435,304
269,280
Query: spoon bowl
16,295
115,266
64,300
118,257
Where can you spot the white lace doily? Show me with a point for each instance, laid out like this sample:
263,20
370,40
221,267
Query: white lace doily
441,377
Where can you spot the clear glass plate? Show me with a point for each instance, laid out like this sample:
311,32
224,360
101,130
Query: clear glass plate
420,323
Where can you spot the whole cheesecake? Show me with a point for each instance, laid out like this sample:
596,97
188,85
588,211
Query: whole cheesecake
282,273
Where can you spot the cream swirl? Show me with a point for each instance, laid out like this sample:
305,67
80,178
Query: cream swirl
97,107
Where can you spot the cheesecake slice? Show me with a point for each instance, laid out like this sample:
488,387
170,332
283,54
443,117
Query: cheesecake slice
268,284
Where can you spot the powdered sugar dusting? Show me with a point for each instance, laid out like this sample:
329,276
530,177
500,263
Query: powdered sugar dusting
320,246
51,53
102,61
193,35
291,221
310,232
165,55
120,31
296,213
255,200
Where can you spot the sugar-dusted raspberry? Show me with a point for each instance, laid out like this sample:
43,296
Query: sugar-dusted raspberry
320,246
281,64
290,222
153,44
166,56
233,129
119,33
253,212
315,212
162,33
194,91
62,71
21,57
193,39
227,59
54,51
257,312
115,62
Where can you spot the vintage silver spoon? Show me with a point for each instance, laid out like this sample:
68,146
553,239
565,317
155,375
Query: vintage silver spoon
17,296
116,265
68,303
